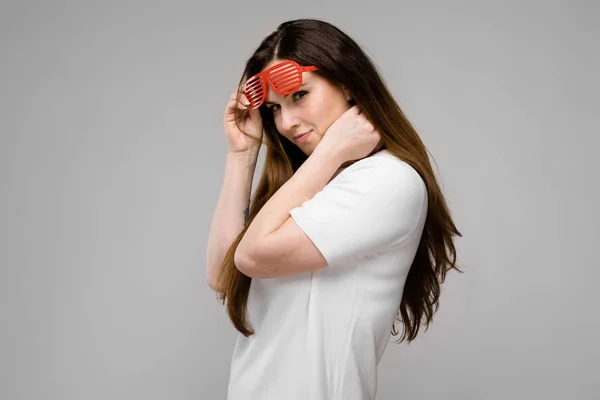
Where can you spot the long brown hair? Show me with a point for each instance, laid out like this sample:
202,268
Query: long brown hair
342,62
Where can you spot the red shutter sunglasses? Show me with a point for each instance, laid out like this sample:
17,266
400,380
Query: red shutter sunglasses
284,78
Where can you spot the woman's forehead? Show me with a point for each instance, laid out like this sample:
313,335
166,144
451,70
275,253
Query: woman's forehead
274,97
274,62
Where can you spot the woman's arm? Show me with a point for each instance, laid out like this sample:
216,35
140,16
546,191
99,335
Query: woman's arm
258,248
231,211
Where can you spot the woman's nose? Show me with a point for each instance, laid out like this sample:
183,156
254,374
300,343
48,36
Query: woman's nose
289,119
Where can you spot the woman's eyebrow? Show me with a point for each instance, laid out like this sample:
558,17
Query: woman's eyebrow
301,86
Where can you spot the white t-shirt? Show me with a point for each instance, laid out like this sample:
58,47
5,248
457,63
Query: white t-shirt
320,335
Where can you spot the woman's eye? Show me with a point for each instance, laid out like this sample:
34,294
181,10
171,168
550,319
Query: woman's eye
298,95
301,93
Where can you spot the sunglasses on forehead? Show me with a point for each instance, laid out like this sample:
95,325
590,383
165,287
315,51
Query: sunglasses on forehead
284,78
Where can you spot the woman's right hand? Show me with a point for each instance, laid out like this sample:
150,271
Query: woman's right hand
251,123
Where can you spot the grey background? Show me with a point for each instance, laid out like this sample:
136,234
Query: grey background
112,153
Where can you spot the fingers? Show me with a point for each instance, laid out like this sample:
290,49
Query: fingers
243,102
368,126
241,105
354,110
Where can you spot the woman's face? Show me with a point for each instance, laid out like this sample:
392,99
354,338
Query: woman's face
312,108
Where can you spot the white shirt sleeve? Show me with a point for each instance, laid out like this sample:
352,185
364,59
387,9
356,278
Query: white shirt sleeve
374,204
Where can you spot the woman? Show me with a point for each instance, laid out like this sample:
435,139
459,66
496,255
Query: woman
347,231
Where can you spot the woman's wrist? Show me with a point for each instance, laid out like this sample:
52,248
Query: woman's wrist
249,157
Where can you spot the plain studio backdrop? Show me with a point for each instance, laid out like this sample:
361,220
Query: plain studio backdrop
113,151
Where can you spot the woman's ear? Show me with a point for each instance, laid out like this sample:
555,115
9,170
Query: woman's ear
347,94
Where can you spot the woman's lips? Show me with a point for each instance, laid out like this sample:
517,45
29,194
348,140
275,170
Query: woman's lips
303,138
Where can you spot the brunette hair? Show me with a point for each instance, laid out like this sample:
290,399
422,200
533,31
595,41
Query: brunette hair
343,63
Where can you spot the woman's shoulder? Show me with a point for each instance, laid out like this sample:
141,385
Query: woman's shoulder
383,173
382,180
383,163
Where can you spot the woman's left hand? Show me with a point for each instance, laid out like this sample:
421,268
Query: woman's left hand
350,137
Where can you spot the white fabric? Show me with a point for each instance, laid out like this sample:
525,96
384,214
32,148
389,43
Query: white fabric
320,335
